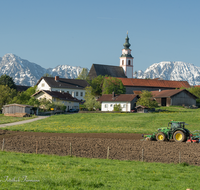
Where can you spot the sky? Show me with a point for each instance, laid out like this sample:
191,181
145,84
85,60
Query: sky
80,33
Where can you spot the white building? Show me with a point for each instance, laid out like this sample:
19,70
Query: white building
58,97
75,87
126,59
127,102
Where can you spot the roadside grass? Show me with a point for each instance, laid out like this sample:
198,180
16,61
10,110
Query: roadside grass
8,119
113,122
64,172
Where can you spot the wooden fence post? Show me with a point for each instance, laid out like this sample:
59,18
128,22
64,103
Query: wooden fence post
36,147
3,145
70,149
108,153
142,155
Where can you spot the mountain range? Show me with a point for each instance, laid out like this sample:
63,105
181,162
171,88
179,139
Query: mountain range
167,70
27,73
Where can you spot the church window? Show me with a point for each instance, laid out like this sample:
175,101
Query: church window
122,62
129,62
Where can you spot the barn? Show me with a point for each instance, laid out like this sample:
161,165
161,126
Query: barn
17,110
174,97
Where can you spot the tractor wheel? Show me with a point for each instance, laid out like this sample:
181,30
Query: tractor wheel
160,137
179,136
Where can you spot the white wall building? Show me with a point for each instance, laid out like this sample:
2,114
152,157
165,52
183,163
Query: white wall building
126,101
58,97
75,87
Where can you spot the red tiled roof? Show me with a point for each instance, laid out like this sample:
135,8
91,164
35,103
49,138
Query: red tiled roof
154,83
117,98
168,93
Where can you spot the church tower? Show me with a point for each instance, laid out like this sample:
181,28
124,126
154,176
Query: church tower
126,59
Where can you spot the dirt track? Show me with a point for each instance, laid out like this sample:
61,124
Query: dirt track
95,145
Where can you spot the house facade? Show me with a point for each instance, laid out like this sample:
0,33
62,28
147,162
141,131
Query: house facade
127,102
174,97
58,97
75,87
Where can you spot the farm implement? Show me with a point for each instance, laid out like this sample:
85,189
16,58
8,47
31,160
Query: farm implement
176,130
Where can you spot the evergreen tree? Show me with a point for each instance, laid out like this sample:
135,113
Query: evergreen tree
7,80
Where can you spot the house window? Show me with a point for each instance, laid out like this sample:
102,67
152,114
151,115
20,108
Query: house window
81,93
129,62
43,84
111,105
76,93
106,106
122,62
124,105
69,102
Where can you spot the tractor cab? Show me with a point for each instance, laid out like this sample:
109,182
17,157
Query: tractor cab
176,124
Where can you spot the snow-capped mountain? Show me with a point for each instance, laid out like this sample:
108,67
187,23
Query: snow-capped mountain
172,71
26,73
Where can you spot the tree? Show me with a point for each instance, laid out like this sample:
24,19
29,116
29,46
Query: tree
112,84
146,99
7,80
97,84
90,101
25,97
83,75
6,95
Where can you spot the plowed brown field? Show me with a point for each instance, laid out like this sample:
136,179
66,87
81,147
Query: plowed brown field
95,145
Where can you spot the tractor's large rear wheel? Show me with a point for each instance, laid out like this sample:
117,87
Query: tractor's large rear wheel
179,136
160,137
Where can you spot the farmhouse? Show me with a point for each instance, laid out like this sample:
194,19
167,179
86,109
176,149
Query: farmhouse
126,101
151,84
174,97
17,110
58,97
75,87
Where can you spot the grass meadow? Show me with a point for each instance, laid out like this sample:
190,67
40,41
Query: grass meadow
113,122
8,119
32,171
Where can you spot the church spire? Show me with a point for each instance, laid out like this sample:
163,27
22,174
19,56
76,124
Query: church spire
126,44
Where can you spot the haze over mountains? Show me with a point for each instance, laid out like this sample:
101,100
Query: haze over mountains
26,73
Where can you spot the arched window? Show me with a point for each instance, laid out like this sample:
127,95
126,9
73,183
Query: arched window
122,62
129,62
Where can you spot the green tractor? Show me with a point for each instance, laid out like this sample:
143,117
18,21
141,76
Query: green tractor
176,130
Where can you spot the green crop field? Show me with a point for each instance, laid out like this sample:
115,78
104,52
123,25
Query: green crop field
31,171
7,119
113,122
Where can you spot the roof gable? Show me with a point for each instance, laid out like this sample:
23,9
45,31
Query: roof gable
169,93
60,95
64,83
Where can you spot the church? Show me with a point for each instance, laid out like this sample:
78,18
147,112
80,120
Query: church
125,70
